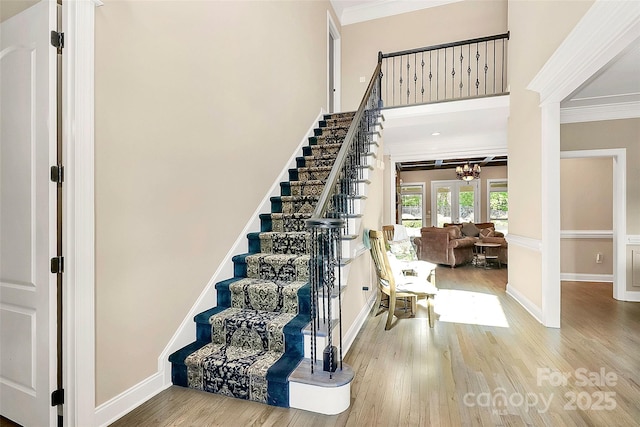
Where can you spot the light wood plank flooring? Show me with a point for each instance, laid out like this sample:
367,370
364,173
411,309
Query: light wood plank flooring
487,362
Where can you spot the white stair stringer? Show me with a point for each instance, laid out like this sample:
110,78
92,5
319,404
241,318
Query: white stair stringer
320,392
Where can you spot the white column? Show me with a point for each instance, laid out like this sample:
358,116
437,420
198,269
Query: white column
78,18
550,191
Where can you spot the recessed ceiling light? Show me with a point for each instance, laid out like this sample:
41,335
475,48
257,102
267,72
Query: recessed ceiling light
435,134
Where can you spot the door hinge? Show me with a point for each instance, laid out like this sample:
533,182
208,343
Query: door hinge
57,397
57,39
57,174
57,265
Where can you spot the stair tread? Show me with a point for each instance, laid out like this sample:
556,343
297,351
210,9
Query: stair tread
302,374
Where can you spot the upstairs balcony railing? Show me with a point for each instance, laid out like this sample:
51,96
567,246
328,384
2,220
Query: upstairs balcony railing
446,72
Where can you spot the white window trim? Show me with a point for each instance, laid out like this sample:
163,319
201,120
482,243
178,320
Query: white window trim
488,198
424,196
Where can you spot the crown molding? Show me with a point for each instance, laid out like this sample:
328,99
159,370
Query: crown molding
593,113
604,31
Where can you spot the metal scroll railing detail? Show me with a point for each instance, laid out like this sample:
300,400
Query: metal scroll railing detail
465,69
330,224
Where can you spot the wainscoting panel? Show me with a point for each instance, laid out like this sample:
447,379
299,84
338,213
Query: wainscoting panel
635,268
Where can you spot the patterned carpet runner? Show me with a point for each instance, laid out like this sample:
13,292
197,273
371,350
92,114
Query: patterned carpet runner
249,344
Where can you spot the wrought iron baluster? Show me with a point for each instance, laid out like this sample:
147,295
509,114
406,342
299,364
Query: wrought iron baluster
408,87
445,75
504,62
400,90
437,78
469,71
415,78
430,77
477,69
486,67
393,84
494,66
422,77
461,59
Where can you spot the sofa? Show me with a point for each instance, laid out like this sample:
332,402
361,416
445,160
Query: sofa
453,244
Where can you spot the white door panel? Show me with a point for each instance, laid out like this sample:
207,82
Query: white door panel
27,216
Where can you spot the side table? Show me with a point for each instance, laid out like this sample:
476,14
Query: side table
482,258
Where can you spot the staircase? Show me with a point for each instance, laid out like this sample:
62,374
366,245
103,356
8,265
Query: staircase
249,346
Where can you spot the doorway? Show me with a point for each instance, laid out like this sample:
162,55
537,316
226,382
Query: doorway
455,201
619,211
333,66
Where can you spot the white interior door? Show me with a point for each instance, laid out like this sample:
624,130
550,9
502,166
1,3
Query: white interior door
455,202
27,216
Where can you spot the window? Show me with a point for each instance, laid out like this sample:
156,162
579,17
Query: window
498,204
412,197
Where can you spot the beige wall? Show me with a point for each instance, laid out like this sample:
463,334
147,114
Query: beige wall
493,172
607,135
586,204
9,8
442,24
199,105
537,29
586,194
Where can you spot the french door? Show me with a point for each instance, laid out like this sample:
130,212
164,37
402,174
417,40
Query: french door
455,202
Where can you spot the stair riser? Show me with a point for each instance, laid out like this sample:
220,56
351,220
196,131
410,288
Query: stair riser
322,151
331,132
314,173
315,162
306,189
321,343
277,267
289,224
284,243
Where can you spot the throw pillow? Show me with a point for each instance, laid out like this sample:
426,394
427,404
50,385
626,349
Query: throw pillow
403,250
487,232
454,232
470,229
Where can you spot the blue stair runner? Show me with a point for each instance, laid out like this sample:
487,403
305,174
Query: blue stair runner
249,344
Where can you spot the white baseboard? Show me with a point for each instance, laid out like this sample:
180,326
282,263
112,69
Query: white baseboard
582,277
631,296
352,333
533,309
185,334
128,400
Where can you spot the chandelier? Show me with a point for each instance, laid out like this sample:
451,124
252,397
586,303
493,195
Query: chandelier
468,173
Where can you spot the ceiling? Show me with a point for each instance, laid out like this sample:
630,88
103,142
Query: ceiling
354,11
478,128
452,163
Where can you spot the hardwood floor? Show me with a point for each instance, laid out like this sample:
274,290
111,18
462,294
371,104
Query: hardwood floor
486,362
